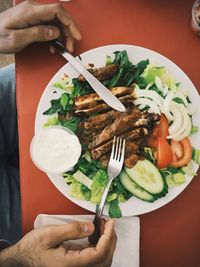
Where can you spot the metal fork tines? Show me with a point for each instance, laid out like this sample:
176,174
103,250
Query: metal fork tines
114,168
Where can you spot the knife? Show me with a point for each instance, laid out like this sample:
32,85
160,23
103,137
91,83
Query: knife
97,86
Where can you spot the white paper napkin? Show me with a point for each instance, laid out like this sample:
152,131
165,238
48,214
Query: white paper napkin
127,230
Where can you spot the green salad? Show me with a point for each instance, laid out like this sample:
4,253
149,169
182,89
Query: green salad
167,156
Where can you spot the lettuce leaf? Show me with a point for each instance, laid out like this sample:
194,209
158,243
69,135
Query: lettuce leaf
75,190
68,178
65,83
80,88
51,122
152,71
166,78
108,60
149,154
96,194
61,105
61,85
86,192
196,155
114,210
100,179
111,197
122,193
127,73
194,129
71,124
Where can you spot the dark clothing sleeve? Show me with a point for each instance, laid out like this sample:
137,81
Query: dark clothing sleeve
10,217
4,244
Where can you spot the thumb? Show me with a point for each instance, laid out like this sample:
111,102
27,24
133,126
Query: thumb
39,33
57,234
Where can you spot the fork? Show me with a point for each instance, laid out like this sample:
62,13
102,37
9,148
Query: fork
114,168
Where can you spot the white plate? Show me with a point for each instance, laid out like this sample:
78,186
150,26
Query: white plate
97,56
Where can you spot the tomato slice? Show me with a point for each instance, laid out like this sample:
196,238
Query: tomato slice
182,152
177,150
164,155
152,141
160,130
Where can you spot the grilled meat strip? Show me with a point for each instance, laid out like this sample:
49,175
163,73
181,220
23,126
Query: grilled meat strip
122,125
104,159
105,119
126,100
129,136
91,100
65,117
131,156
131,160
99,122
103,73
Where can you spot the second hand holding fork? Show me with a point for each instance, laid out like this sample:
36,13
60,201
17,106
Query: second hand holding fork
114,168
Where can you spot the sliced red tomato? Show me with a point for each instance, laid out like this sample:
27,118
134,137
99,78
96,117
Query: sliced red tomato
160,130
177,150
182,152
152,141
164,155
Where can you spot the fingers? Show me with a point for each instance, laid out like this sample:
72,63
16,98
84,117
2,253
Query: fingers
33,18
55,235
70,44
34,14
40,33
68,22
103,252
23,37
102,226
69,28
71,246
107,235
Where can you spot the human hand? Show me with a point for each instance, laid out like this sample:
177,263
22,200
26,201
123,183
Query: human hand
31,22
44,247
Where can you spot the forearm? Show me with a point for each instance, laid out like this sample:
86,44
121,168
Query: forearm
9,258
15,256
10,263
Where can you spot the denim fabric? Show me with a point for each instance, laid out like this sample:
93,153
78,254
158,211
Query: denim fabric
10,215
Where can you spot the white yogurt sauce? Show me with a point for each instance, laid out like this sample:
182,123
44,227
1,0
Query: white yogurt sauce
55,150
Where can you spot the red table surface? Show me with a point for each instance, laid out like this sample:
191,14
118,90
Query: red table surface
170,236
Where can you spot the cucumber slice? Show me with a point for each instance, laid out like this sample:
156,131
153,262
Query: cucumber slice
133,188
147,176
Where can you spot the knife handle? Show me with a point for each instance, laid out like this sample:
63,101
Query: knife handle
71,59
